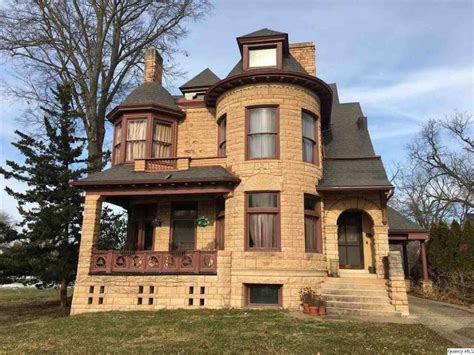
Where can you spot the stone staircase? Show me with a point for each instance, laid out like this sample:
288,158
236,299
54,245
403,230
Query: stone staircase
358,293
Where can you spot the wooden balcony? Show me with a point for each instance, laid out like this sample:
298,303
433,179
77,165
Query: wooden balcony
153,262
177,163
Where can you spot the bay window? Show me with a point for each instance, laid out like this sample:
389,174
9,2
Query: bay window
310,152
262,133
117,143
263,221
136,139
162,139
312,224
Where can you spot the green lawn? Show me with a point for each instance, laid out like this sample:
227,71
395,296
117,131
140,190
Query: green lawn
31,322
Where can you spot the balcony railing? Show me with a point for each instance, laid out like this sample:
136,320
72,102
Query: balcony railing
153,262
176,163
160,164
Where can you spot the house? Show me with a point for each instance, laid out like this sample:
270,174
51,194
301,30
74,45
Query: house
242,191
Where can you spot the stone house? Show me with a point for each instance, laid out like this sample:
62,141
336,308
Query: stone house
241,192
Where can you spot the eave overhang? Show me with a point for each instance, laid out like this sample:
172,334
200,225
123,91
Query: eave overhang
400,235
120,109
317,86
354,188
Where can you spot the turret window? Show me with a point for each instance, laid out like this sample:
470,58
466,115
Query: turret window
310,153
222,136
162,140
263,221
262,133
136,139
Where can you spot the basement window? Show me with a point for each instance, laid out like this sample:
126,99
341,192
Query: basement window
263,295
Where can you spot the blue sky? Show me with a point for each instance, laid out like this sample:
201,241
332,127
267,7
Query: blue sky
405,61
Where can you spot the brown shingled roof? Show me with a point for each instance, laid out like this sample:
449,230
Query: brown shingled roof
151,93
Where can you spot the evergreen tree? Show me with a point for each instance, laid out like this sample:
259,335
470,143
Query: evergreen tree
44,250
113,230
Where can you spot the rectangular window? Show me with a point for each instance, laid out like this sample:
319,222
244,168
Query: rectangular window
310,153
136,139
262,132
117,143
263,221
222,136
263,295
312,224
263,57
162,140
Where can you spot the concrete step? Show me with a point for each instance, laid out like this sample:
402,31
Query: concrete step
361,312
354,285
356,274
355,292
361,305
355,281
382,299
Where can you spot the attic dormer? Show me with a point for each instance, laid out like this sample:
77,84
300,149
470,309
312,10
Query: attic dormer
263,49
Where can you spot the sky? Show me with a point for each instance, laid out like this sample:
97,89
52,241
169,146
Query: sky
405,61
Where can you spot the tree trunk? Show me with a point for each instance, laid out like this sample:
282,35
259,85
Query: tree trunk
95,141
63,293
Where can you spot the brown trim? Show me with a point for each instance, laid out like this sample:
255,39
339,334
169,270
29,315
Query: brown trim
141,220
257,46
157,191
116,124
283,38
154,181
277,134
271,210
263,305
375,157
317,86
221,152
346,245
316,160
191,103
122,109
354,188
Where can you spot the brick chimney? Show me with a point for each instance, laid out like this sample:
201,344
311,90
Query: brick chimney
305,54
153,66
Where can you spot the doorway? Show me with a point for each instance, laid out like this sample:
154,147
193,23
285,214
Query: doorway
349,231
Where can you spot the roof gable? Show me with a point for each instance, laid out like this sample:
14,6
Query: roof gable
262,33
204,79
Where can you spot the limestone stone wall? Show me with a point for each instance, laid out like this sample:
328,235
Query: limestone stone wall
197,133
369,203
396,283
304,53
290,267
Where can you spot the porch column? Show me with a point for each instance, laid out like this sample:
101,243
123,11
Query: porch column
90,232
405,261
424,262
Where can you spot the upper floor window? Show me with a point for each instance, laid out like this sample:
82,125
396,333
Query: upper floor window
310,152
262,57
262,133
118,143
222,136
136,139
263,221
162,140
312,224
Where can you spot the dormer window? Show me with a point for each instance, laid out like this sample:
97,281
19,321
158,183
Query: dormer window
262,57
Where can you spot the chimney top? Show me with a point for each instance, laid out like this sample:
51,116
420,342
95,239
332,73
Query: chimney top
153,66
305,54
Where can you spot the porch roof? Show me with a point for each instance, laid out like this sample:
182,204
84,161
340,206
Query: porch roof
125,174
401,228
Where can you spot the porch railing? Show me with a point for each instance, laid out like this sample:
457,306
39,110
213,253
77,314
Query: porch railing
160,164
153,262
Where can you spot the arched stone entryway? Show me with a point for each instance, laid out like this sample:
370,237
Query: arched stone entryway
374,232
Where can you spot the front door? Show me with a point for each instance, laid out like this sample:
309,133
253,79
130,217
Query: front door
350,241
183,235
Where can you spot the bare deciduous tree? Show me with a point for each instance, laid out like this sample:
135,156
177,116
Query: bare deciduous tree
437,184
96,44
